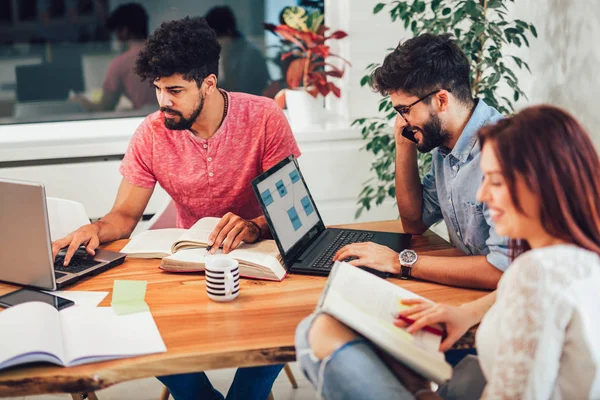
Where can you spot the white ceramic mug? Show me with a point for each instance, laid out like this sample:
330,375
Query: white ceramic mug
222,278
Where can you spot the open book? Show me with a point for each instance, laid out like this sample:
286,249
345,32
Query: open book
184,250
367,304
37,332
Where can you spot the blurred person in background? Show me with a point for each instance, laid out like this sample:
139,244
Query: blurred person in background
243,67
129,22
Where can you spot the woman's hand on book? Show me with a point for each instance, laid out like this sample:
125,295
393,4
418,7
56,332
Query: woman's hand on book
231,231
457,320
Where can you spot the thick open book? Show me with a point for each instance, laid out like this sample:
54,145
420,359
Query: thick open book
184,250
367,304
37,332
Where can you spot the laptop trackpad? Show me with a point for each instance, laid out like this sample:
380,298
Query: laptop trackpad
59,275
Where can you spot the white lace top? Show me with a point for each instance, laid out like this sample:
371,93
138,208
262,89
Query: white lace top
541,339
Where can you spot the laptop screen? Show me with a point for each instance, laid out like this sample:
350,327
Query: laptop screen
284,197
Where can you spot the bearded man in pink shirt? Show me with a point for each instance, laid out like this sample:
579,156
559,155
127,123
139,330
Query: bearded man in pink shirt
204,146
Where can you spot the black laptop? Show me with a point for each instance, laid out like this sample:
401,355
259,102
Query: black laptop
306,246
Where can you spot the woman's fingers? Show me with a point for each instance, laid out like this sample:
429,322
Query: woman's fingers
412,302
401,323
433,317
412,310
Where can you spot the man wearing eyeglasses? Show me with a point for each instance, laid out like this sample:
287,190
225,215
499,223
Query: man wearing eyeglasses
427,79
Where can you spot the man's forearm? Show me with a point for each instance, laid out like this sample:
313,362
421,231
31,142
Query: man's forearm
114,226
409,193
467,271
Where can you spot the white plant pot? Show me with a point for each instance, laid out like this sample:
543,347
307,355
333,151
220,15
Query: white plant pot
303,109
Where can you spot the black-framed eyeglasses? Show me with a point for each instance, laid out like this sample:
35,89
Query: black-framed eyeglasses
403,110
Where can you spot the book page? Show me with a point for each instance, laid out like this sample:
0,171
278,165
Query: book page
252,264
153,243
191,260
100,334
397,342
30,332
379,299
260,255
198,234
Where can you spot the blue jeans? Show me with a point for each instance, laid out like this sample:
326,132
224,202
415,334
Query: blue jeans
251,383
355,371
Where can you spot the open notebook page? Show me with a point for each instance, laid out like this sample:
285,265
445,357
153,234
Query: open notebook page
100,334
30,332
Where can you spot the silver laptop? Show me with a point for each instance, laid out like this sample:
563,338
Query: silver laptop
25,246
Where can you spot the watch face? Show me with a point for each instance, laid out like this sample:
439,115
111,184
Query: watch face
408,257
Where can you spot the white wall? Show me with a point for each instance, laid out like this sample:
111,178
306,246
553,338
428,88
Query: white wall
370,38
564,59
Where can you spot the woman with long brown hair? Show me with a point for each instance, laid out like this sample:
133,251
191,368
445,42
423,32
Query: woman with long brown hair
539,331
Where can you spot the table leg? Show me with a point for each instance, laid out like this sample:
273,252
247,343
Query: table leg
290,375
165,394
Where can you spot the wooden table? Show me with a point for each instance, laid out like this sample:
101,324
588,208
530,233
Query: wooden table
255,329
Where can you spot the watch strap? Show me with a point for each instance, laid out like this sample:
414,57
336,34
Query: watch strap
404,272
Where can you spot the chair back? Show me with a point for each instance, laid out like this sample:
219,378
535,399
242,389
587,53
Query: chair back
164,218
65,216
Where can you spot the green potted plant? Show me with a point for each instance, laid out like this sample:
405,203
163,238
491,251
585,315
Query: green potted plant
484,33
309,72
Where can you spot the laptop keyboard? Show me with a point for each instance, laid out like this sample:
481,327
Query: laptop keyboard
77,264
325,260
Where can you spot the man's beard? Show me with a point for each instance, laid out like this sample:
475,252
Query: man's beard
432,133
183,123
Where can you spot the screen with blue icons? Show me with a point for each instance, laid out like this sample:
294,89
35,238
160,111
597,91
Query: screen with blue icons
289,206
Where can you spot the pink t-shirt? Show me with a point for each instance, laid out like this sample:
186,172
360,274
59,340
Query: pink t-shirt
208,178
120,78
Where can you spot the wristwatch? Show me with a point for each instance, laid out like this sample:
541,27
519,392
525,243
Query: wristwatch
407,258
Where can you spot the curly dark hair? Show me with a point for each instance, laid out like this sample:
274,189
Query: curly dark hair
187,46
423,64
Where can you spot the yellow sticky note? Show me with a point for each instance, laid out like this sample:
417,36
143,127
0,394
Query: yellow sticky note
128,297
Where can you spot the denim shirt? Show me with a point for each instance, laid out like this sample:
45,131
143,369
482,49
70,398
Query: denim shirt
449,192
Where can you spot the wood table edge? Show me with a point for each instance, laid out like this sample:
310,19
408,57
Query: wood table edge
12,384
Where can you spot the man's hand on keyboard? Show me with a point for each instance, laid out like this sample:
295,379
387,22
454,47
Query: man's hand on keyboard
87,235
370,255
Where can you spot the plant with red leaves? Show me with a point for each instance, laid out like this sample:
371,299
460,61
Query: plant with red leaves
310,52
